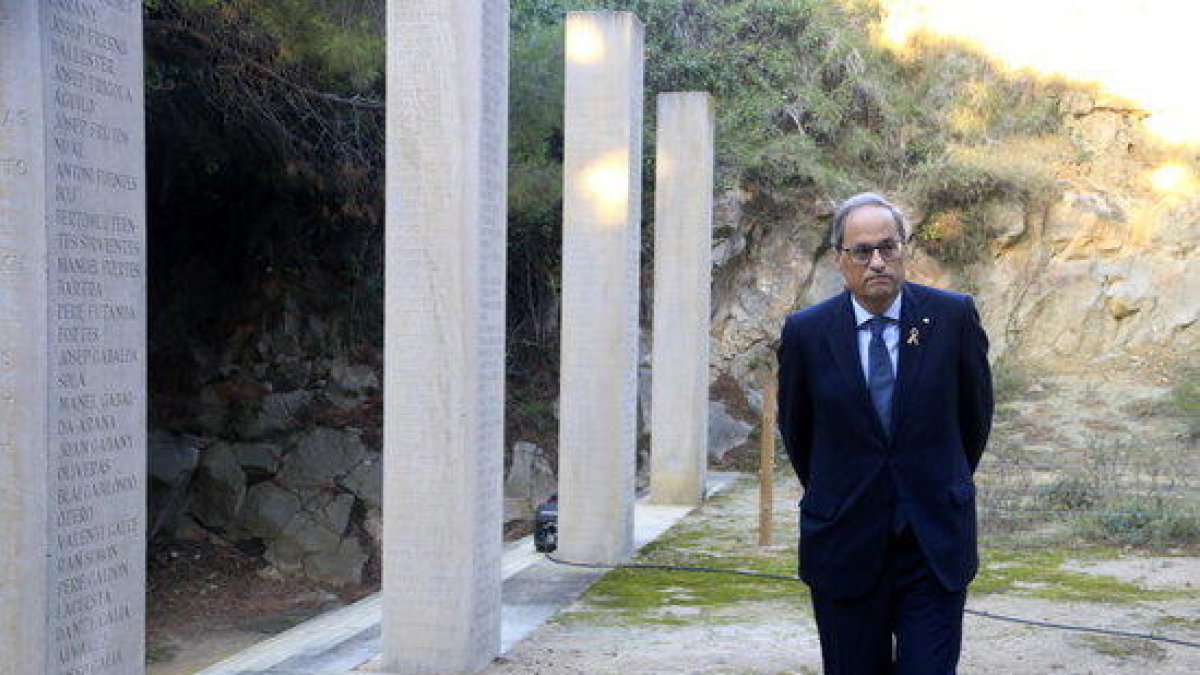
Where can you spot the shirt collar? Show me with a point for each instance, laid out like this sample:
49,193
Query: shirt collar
861,315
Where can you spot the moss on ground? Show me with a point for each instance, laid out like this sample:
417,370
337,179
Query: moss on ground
716,536
721,535
1040,574
1186,622
1125,649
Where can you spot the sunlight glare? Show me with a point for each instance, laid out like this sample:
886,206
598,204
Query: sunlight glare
606,186
1134,50
1174,180
585,42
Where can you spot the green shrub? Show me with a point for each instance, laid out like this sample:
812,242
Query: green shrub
1069,493
964,177
1145,521
1186,398
957,189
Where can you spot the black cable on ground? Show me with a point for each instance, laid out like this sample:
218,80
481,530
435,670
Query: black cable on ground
975,612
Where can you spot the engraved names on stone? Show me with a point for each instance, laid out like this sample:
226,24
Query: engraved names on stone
88,159
601,247
682,280
444,351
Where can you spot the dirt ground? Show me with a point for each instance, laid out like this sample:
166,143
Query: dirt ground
207,602
777,635
1134,590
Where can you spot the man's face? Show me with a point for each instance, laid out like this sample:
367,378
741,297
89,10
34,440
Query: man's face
877,282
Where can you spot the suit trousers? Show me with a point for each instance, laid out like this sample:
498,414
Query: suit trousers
908,624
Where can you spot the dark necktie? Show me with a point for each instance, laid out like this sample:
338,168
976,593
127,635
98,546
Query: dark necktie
881,379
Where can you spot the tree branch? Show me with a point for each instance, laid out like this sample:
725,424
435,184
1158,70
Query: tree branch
174,27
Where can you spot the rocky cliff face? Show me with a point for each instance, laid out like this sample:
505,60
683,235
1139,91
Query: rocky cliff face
1104,273
1094,279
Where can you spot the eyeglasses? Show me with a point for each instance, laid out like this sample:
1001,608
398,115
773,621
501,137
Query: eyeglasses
889,251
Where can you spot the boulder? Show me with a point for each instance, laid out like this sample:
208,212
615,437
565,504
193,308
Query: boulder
171,461
340,566
258,459
724,431
314,529
530,480
219,489
350,385
365,481
268,510
171,457
322,458
274,413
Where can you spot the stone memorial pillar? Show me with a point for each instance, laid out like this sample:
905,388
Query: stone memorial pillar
682,279
447,126
72,337
601,251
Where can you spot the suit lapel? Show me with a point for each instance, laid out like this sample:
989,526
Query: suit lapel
842,340
914,327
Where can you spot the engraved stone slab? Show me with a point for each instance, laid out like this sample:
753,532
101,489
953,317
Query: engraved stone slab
444,345
601,251
72,337
683,208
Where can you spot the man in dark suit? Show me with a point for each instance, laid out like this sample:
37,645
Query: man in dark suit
885,405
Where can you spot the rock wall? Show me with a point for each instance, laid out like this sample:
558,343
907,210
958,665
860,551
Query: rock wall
1105,273
1094,280
273,443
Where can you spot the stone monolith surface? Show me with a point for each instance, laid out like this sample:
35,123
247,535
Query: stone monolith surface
683,209
72,338
447,109
601,251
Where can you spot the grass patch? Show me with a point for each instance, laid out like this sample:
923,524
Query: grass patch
1125,649
1039,574
1172,621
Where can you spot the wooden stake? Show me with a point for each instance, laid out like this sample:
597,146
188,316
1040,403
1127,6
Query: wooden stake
766,461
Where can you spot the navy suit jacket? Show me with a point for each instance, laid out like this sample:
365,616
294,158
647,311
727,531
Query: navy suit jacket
854,474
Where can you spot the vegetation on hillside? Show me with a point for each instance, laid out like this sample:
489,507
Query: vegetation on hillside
265,142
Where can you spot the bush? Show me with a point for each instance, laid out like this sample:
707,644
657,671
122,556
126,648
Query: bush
1146,521
963,177
1186,398
956,189
1069,493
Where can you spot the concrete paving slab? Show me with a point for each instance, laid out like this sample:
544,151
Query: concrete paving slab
346,641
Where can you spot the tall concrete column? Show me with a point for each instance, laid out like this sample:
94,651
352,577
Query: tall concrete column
72,338
601,252
447,126
682,279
